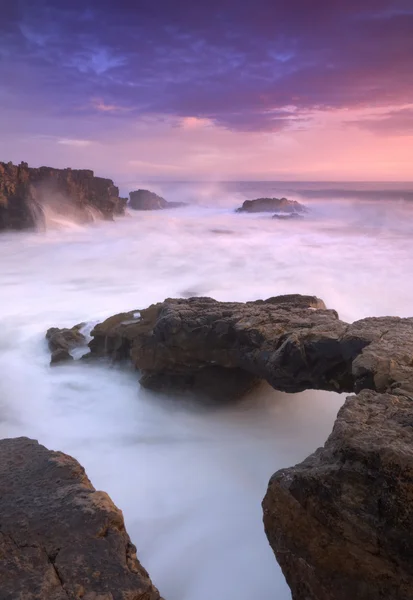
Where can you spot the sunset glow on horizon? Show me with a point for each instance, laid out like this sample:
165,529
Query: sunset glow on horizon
308,91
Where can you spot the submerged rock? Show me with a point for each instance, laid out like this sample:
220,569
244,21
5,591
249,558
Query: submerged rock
59,537
272,205
147,200
341,522
26,194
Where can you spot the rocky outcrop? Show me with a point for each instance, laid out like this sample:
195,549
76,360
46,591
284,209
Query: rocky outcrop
146,200
62,341
26,194
293,342
61,539
341,522
282,205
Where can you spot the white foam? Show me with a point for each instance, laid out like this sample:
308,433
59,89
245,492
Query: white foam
190,482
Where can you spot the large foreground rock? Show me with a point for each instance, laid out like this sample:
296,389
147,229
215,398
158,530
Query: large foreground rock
293,342
28,194
282,205
341,522
60,539
147,200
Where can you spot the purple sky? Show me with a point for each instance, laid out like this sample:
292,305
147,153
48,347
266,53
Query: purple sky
309,89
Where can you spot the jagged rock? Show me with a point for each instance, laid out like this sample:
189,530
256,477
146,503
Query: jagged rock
293,342
146,200
62,341
61,539
340,523
26,193
282,205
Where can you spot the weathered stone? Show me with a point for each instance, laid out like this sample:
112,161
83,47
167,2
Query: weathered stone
340,523
272,205
293,342
60,355
147,200
62,341
25,194
61,539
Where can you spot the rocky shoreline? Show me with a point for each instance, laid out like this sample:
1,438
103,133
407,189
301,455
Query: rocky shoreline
340,522
61,539
28,195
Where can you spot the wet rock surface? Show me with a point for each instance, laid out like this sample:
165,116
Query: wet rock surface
62,341
26,193
147,200
282,205
61,539
292,342
340,523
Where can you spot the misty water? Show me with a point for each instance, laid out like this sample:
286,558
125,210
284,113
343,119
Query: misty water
189,479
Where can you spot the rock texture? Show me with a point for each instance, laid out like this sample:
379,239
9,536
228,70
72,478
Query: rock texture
60,539
293,342
27,193
146,200
62,341
341,522
272,205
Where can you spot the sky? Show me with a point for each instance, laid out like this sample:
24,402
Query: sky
217,90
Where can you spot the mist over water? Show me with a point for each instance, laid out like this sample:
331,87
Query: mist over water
190,480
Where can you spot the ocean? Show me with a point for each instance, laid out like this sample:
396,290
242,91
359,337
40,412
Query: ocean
190,478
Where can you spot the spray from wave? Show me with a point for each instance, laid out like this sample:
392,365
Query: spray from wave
189,480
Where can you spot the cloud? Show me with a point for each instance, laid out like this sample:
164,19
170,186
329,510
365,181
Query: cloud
394,122
76,143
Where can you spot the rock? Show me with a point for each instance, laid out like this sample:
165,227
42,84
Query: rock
61,341
146,200
340,523
272,205
60,355
59,537
288,216
26,194
293,342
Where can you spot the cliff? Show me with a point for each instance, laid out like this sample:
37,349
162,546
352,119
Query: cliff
26,194
60,539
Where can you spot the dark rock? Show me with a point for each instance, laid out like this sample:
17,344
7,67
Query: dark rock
61,341
60,355
59,537
293,342
340,523
146,200
26,193
272,205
